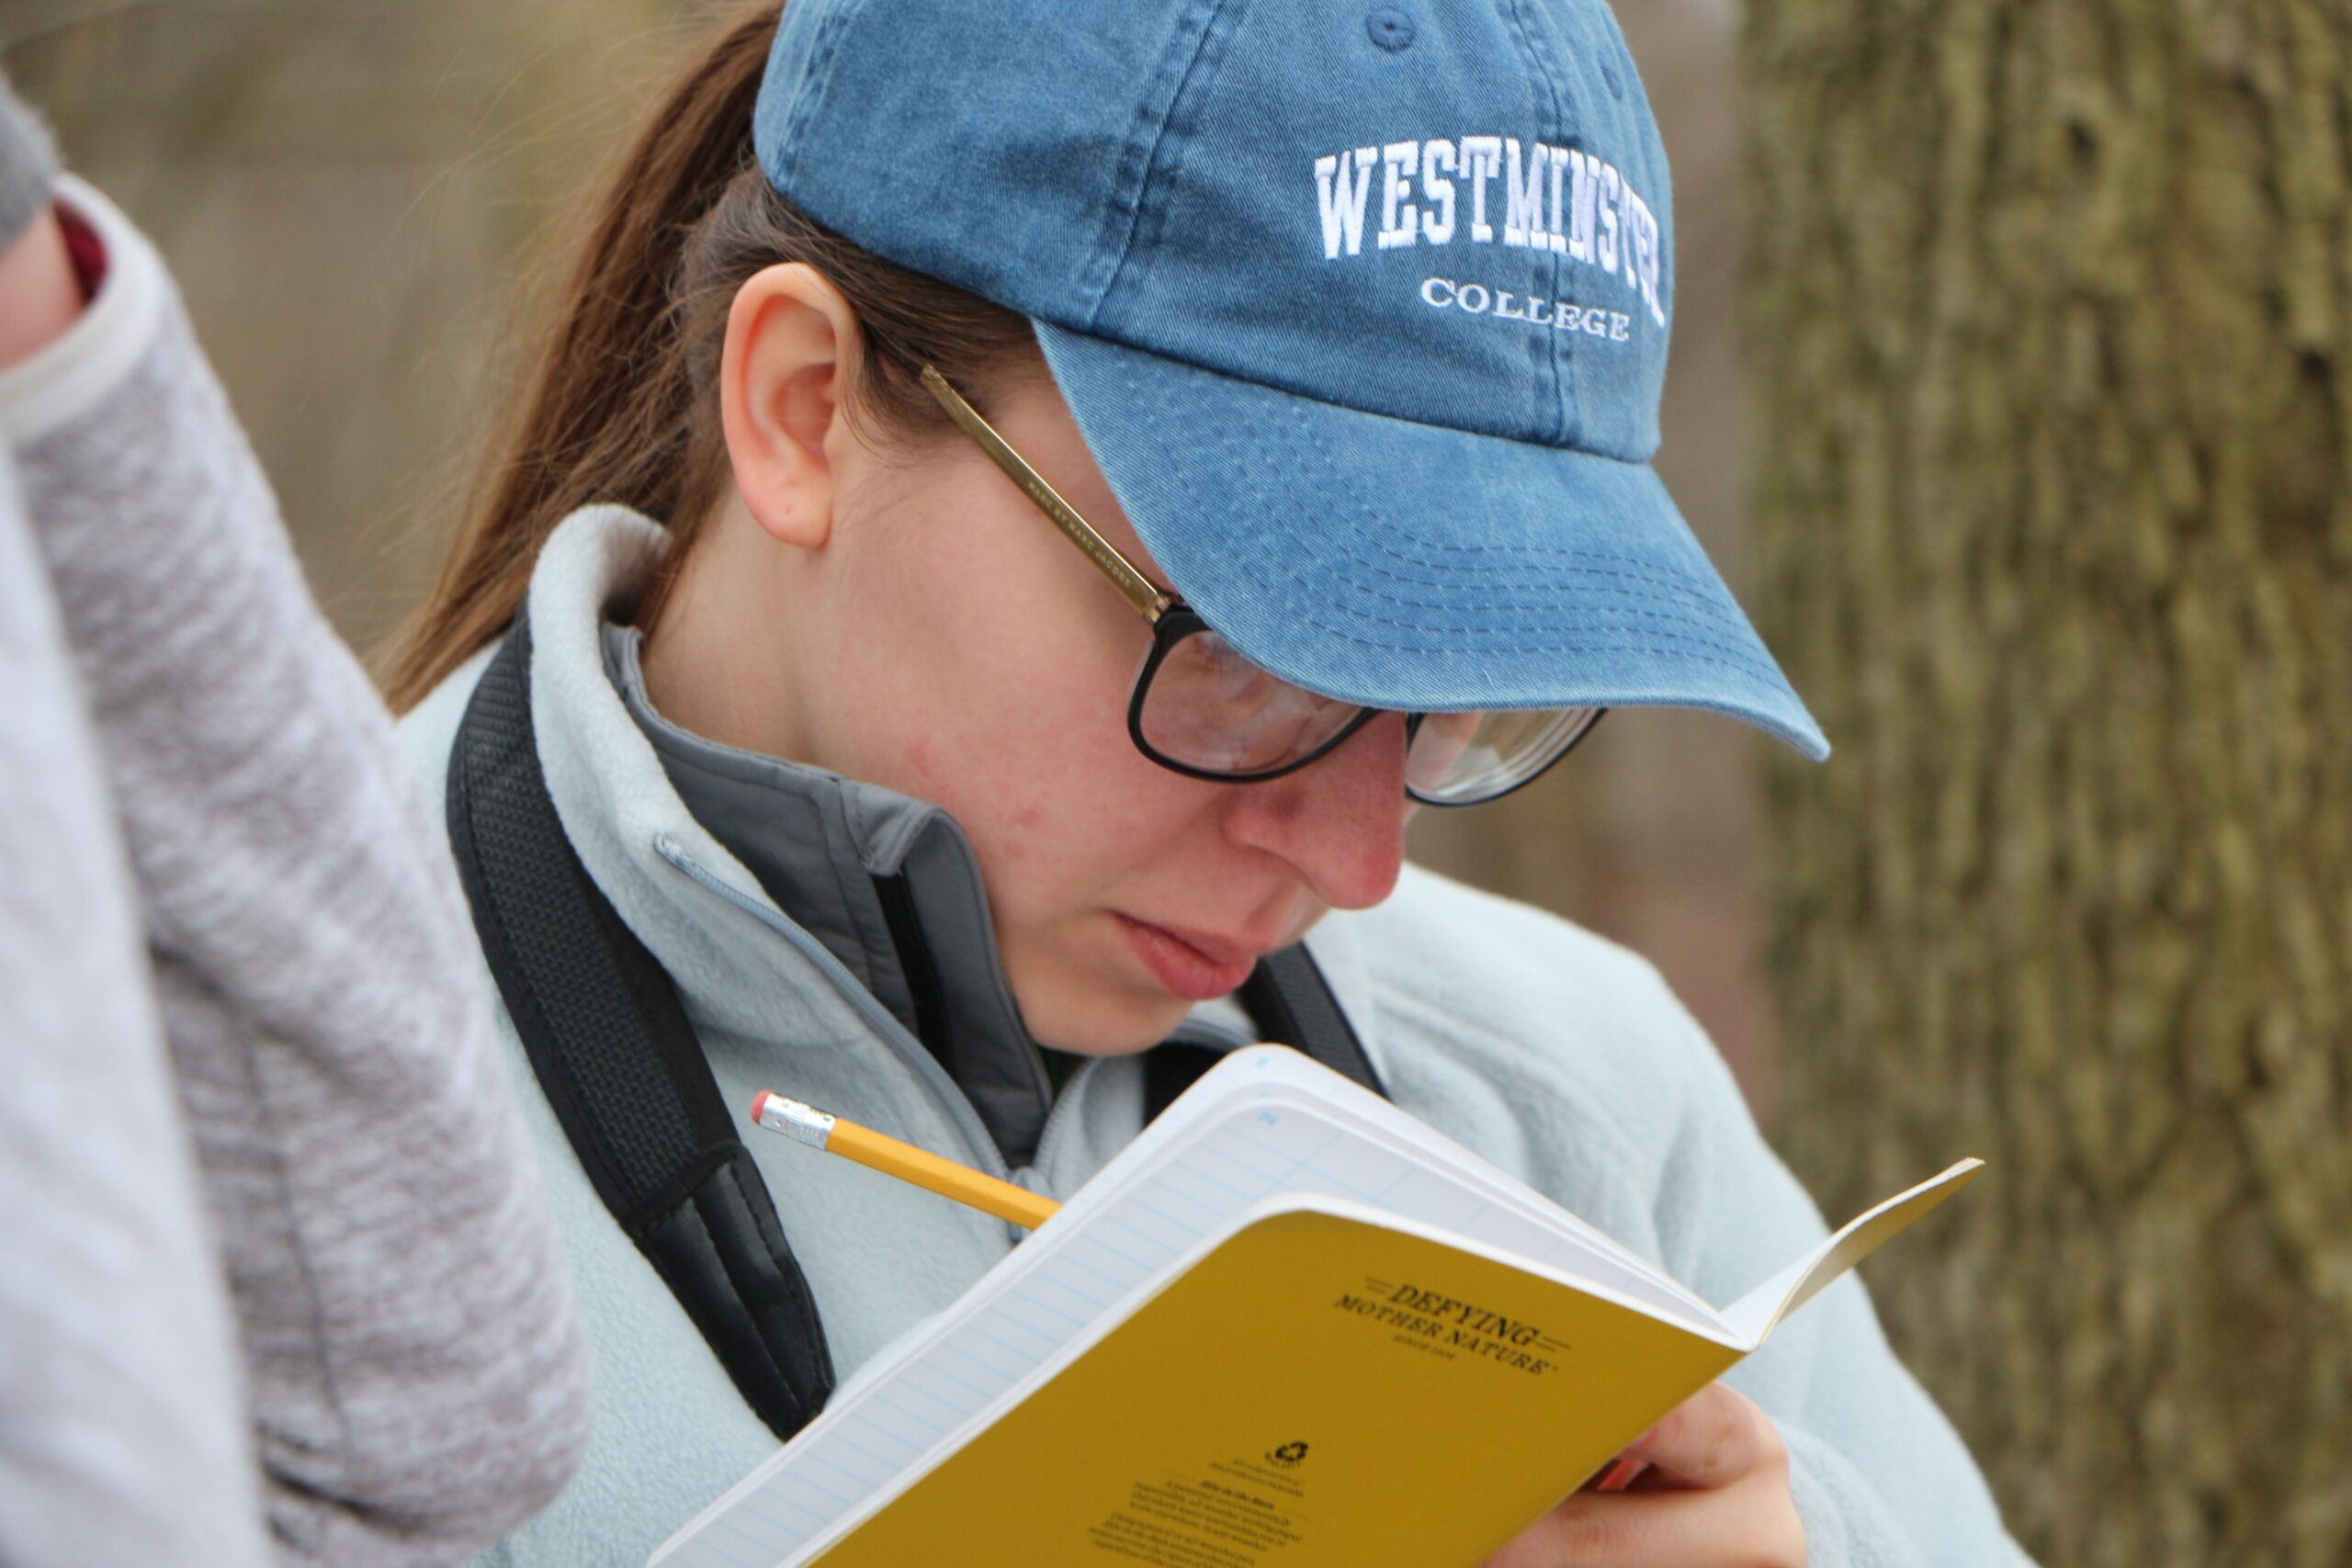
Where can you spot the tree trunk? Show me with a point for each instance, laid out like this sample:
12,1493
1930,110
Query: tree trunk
2050,323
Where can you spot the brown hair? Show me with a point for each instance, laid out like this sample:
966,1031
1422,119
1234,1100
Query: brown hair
620,402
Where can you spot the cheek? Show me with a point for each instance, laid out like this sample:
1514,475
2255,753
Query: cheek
1015,723
1055,799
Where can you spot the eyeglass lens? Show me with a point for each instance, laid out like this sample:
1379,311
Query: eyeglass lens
1456,759
1211,709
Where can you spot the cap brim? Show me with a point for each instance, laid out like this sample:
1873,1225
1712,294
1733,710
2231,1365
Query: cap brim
1412,565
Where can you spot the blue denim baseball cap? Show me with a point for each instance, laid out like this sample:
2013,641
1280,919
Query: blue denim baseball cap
1361,309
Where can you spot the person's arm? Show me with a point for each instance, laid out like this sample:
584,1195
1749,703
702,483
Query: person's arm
1877,1472
1820,1450
417,1378
39,296
122,1428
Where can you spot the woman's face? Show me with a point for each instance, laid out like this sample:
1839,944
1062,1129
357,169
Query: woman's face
910,619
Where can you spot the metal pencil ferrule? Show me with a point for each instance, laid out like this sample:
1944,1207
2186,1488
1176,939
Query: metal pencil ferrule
795,1118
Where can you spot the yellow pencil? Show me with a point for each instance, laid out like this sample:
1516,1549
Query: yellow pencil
823,1130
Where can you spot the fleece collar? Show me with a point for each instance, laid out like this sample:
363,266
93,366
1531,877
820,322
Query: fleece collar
888,883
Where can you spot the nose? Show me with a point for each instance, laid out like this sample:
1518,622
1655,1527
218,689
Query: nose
1339,822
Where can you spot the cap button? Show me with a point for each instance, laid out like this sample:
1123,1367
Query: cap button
1391,30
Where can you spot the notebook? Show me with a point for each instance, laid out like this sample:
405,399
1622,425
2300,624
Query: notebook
1288,1324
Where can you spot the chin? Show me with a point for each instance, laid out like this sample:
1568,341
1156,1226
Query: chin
1106,1026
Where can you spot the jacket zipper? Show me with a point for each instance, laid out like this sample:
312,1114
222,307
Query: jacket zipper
871,1013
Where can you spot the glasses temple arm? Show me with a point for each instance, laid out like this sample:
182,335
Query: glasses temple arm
1148,601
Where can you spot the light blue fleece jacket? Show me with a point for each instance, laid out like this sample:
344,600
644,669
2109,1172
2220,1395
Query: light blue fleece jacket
1561,1057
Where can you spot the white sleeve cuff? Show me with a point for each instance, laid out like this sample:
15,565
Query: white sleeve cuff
69,376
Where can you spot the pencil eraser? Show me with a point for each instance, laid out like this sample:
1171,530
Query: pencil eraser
759,1104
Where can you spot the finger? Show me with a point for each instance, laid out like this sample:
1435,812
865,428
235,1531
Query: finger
1623,1473
1753,1522
1709,1439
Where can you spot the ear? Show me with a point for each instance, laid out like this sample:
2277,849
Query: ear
783,374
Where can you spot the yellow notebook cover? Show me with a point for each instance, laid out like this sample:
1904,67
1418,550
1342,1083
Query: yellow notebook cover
1320,1390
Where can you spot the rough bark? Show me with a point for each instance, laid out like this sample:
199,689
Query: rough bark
2050,321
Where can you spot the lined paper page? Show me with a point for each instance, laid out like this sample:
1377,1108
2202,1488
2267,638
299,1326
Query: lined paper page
1057,1290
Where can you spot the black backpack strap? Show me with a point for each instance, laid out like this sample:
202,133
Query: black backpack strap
1290,1001
1168,1070
620,1063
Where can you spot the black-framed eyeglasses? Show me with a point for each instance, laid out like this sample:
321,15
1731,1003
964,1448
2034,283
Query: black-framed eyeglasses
1199,707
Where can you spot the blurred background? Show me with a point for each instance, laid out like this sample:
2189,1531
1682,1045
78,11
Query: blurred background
2003,391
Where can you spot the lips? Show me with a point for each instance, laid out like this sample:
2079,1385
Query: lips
1192,964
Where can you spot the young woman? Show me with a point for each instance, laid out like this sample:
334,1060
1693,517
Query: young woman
1020,505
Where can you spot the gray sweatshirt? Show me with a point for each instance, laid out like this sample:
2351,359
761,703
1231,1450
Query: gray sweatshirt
414,1379
123,1436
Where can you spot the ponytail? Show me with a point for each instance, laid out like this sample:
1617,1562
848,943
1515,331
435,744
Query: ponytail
620,402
